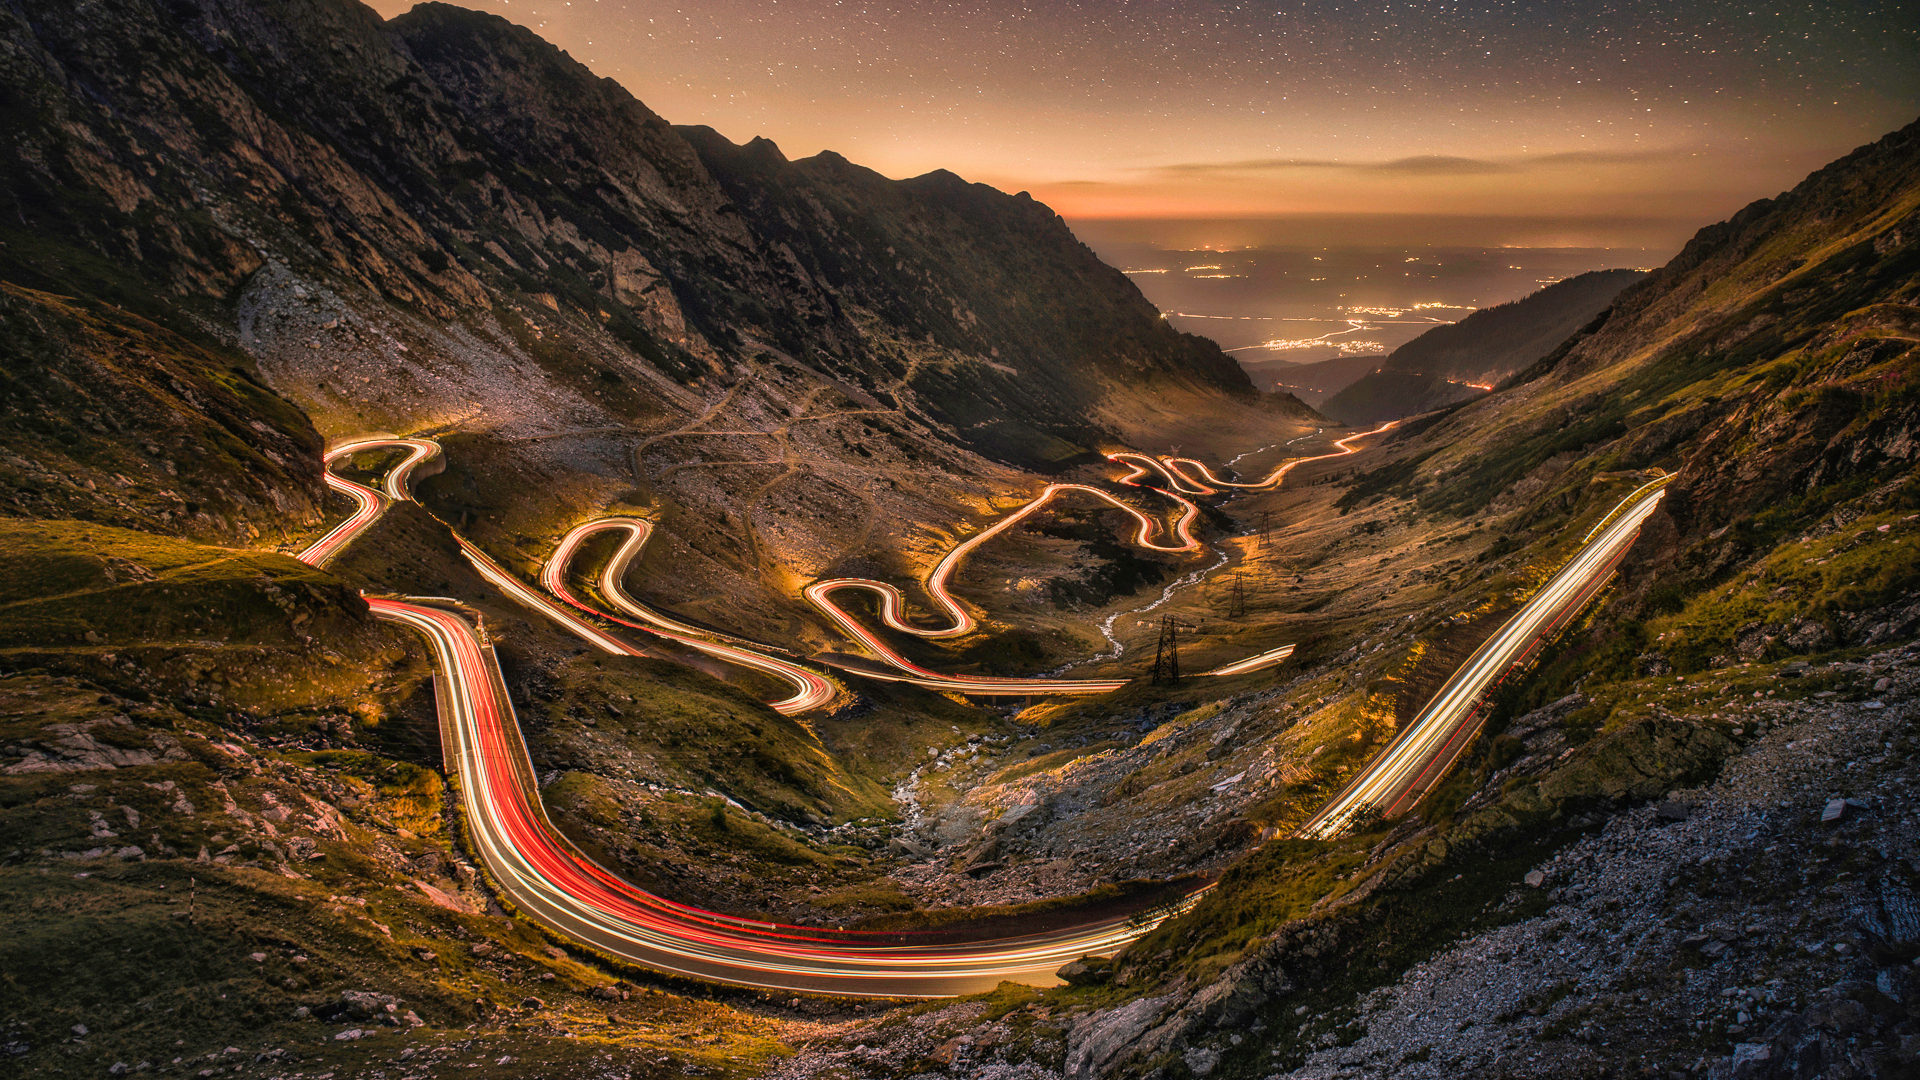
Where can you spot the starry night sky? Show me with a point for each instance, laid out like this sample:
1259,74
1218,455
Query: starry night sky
1655,109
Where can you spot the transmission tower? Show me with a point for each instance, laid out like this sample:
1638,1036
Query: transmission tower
1237,603
1266,534
1166,655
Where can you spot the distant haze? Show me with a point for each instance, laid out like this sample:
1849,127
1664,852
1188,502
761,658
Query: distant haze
1349,289
1641,240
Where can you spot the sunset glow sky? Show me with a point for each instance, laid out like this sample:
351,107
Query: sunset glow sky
1599,109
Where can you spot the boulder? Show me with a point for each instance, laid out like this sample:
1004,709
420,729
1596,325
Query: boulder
944,1054
360,1005
1670,811
1842,1015
902,846
1201,1061
1752,641
1100,1038
1087,971
1809,636
1752,1061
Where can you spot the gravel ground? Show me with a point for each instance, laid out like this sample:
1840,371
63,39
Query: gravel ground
1677,940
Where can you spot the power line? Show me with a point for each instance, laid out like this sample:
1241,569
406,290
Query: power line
1166,654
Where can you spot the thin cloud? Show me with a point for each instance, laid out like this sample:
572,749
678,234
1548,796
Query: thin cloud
1441,165
1606,157
1421,165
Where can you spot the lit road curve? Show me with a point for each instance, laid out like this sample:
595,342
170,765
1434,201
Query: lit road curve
1176,466
1257,662
810,689
893,604
1434,740
368,503
551,882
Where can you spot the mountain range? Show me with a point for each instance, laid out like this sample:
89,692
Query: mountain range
1674,836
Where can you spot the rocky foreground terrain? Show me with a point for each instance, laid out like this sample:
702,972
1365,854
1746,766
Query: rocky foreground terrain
1763,925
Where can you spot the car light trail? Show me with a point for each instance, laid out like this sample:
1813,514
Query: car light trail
1174,464
368,503
893,603
1253,663
1142,464
552,882
811,690
1434,740
368,506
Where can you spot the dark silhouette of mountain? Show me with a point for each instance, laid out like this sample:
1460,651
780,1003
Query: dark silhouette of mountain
1490,344
1458,362
451,167
1386,394
1316,382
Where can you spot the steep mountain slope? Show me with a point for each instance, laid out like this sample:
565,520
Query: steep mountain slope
230,232
1751,670
443,222
1455,363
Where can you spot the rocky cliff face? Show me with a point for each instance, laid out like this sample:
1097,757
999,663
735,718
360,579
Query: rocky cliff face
449,164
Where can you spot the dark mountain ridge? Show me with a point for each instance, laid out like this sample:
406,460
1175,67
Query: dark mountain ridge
1493,343
448,160
1455,363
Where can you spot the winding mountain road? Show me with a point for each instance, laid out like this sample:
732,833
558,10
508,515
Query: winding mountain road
1172,467
893,603
552,882
811,690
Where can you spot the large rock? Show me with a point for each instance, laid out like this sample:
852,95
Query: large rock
1752,1061
1087,971
1099,1039
361,1005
